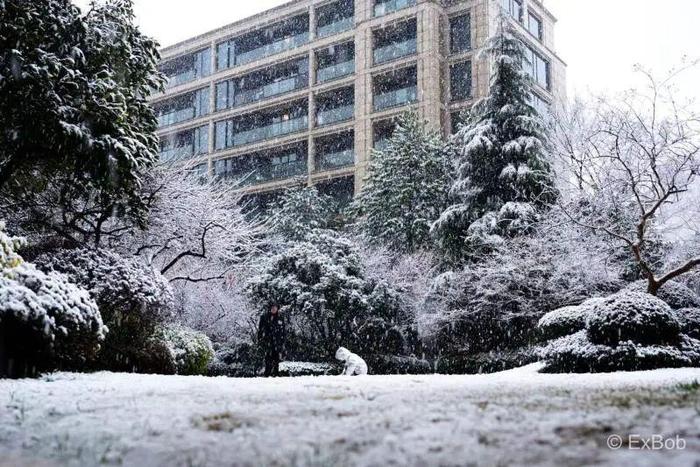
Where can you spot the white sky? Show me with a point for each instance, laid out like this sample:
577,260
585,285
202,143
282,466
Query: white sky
601,40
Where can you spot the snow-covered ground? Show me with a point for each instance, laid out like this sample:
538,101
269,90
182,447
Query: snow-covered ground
512,418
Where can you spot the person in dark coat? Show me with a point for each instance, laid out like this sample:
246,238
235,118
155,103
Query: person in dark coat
271,337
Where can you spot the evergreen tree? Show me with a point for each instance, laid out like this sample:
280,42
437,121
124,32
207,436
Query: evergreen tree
501,170
77,130
301,210
406,187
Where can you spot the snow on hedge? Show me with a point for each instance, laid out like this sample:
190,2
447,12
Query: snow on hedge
190,351
677,295
567,320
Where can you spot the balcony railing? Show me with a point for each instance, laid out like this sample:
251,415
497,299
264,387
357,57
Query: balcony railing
272,49
176,154
335,71
335,160
342,25
271,131
271,90
385,8
339,114
395,51
396,98
181,78
177,116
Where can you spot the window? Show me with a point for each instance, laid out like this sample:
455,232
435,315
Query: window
538,68
514,8
461,81
265,166
384,7
534,25
187,68
460,34
263,84
540,105
382,132
335,151
182,108
335,18
335,106
184,144
335,61
395,88
262,125
395,41
264,42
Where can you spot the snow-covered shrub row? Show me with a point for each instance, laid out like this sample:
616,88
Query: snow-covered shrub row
577,354
625,331
132,298
235,359
567,320
46,321
190,352
690,321
632,316
677,295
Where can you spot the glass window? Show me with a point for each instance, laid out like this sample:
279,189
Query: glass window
335,61
182,108
514,8
335,151
265,166
384,7
395,88
460,34
184,144
335,18
461,81
395,41
187,68
335,106
534,25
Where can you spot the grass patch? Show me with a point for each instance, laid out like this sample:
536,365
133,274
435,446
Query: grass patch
223,422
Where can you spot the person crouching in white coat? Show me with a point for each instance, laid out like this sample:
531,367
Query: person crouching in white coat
354,365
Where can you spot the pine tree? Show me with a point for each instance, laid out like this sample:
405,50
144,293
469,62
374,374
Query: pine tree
406,187
301,210
501,169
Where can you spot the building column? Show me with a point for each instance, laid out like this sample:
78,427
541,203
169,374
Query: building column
363,91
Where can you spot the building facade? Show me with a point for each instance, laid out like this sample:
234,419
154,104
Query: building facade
302,93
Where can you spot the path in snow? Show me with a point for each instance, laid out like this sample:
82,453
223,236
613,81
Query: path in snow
512,418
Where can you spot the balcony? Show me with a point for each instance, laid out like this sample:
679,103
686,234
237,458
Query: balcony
384,8
181,78
273,130
395,51
396,98
273,89
273,48
335,71
176,154
335,160
177,116
335,28
336,115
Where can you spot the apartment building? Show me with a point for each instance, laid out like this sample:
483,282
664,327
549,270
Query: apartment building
302,93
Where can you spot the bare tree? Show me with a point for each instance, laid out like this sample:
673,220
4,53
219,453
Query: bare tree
631,165
197,230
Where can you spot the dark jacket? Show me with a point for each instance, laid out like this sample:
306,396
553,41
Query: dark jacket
271,332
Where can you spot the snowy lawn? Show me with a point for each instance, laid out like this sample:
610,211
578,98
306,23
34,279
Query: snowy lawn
511,418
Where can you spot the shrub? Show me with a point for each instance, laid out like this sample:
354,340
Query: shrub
484,362
382,364
235,359
690,321
577,354
132,298
46,322
632,316
325,296
675,294
190,351
567,320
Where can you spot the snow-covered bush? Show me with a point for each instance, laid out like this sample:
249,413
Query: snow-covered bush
325,293
189,352
46,322
690,321
132,299
577,354
632,316
567,320
675,294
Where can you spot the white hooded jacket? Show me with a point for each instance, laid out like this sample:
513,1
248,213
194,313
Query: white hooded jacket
354,365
